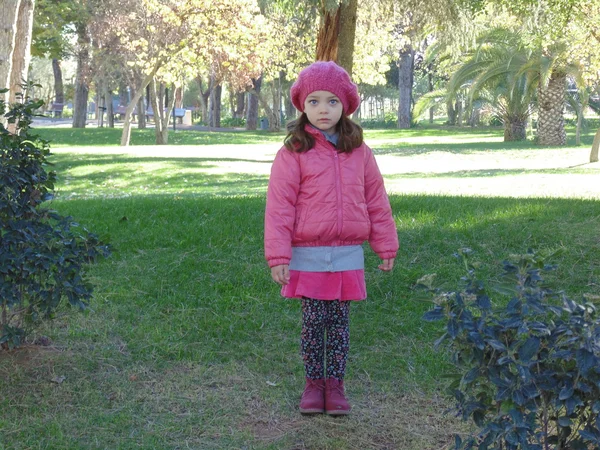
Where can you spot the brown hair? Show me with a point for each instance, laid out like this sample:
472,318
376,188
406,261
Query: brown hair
299,140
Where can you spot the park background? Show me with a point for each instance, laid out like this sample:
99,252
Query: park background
482,116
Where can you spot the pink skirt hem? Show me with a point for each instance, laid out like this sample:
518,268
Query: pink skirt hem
347,285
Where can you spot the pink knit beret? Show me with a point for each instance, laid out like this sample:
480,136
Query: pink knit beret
325,76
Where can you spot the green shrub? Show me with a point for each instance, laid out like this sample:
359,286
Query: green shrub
529,371
42,254
233,122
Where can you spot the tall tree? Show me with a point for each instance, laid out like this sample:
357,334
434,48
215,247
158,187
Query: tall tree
22,50
9,13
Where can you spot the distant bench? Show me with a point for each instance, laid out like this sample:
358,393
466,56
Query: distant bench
56,109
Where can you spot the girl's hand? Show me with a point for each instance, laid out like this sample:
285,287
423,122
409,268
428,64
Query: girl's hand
388,265
281,274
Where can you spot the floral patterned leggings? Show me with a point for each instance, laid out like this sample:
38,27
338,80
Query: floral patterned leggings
320,317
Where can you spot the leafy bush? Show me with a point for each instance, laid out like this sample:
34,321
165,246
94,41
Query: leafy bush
233,122
42,254
529,371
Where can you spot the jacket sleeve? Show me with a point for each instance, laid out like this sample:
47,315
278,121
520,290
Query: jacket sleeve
280,213
384,237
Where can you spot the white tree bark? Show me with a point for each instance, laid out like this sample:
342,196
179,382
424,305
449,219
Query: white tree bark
22,50
9,10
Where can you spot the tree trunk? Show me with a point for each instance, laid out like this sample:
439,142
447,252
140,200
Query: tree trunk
157,102
451,113
336,35
108,104
347,35
515,129
22,50
141,109
458,107
405,86
126,135
240,105
430,84
275,113
252,117
595,147
214,109
551,101
82,88
290,111
582,104
59,90
328,35
9,12
475,116
204,96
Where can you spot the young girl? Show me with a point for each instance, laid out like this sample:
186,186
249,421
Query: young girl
325,198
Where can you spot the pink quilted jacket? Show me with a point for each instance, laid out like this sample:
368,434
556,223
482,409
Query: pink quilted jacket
325,198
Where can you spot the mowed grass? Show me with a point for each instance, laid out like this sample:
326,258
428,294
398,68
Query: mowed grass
187,343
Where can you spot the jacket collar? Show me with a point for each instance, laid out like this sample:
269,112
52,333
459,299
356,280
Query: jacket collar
321,137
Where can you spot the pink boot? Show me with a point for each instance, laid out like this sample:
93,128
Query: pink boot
313,397
335,400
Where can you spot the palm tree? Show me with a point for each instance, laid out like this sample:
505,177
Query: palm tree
491,74
511,77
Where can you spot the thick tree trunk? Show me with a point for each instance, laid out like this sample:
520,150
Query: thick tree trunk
82,88
240,105
336,35
252,116
595,147
551,102
214,107
405,86
328,35
59,90
347,35
515,129
9,12
22,50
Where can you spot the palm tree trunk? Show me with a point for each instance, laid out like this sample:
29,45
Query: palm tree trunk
515,129
551,101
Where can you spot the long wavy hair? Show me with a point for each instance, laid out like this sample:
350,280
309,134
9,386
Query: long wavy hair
350,135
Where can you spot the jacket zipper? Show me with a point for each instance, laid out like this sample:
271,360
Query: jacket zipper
338,189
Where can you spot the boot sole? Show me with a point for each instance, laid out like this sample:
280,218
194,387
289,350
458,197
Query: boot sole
337,412
312,411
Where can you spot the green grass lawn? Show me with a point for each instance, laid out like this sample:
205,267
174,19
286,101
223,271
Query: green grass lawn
187,343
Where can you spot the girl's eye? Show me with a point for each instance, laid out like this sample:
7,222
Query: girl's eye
312,102
333,101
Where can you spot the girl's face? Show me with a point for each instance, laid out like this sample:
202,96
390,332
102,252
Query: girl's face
323,110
